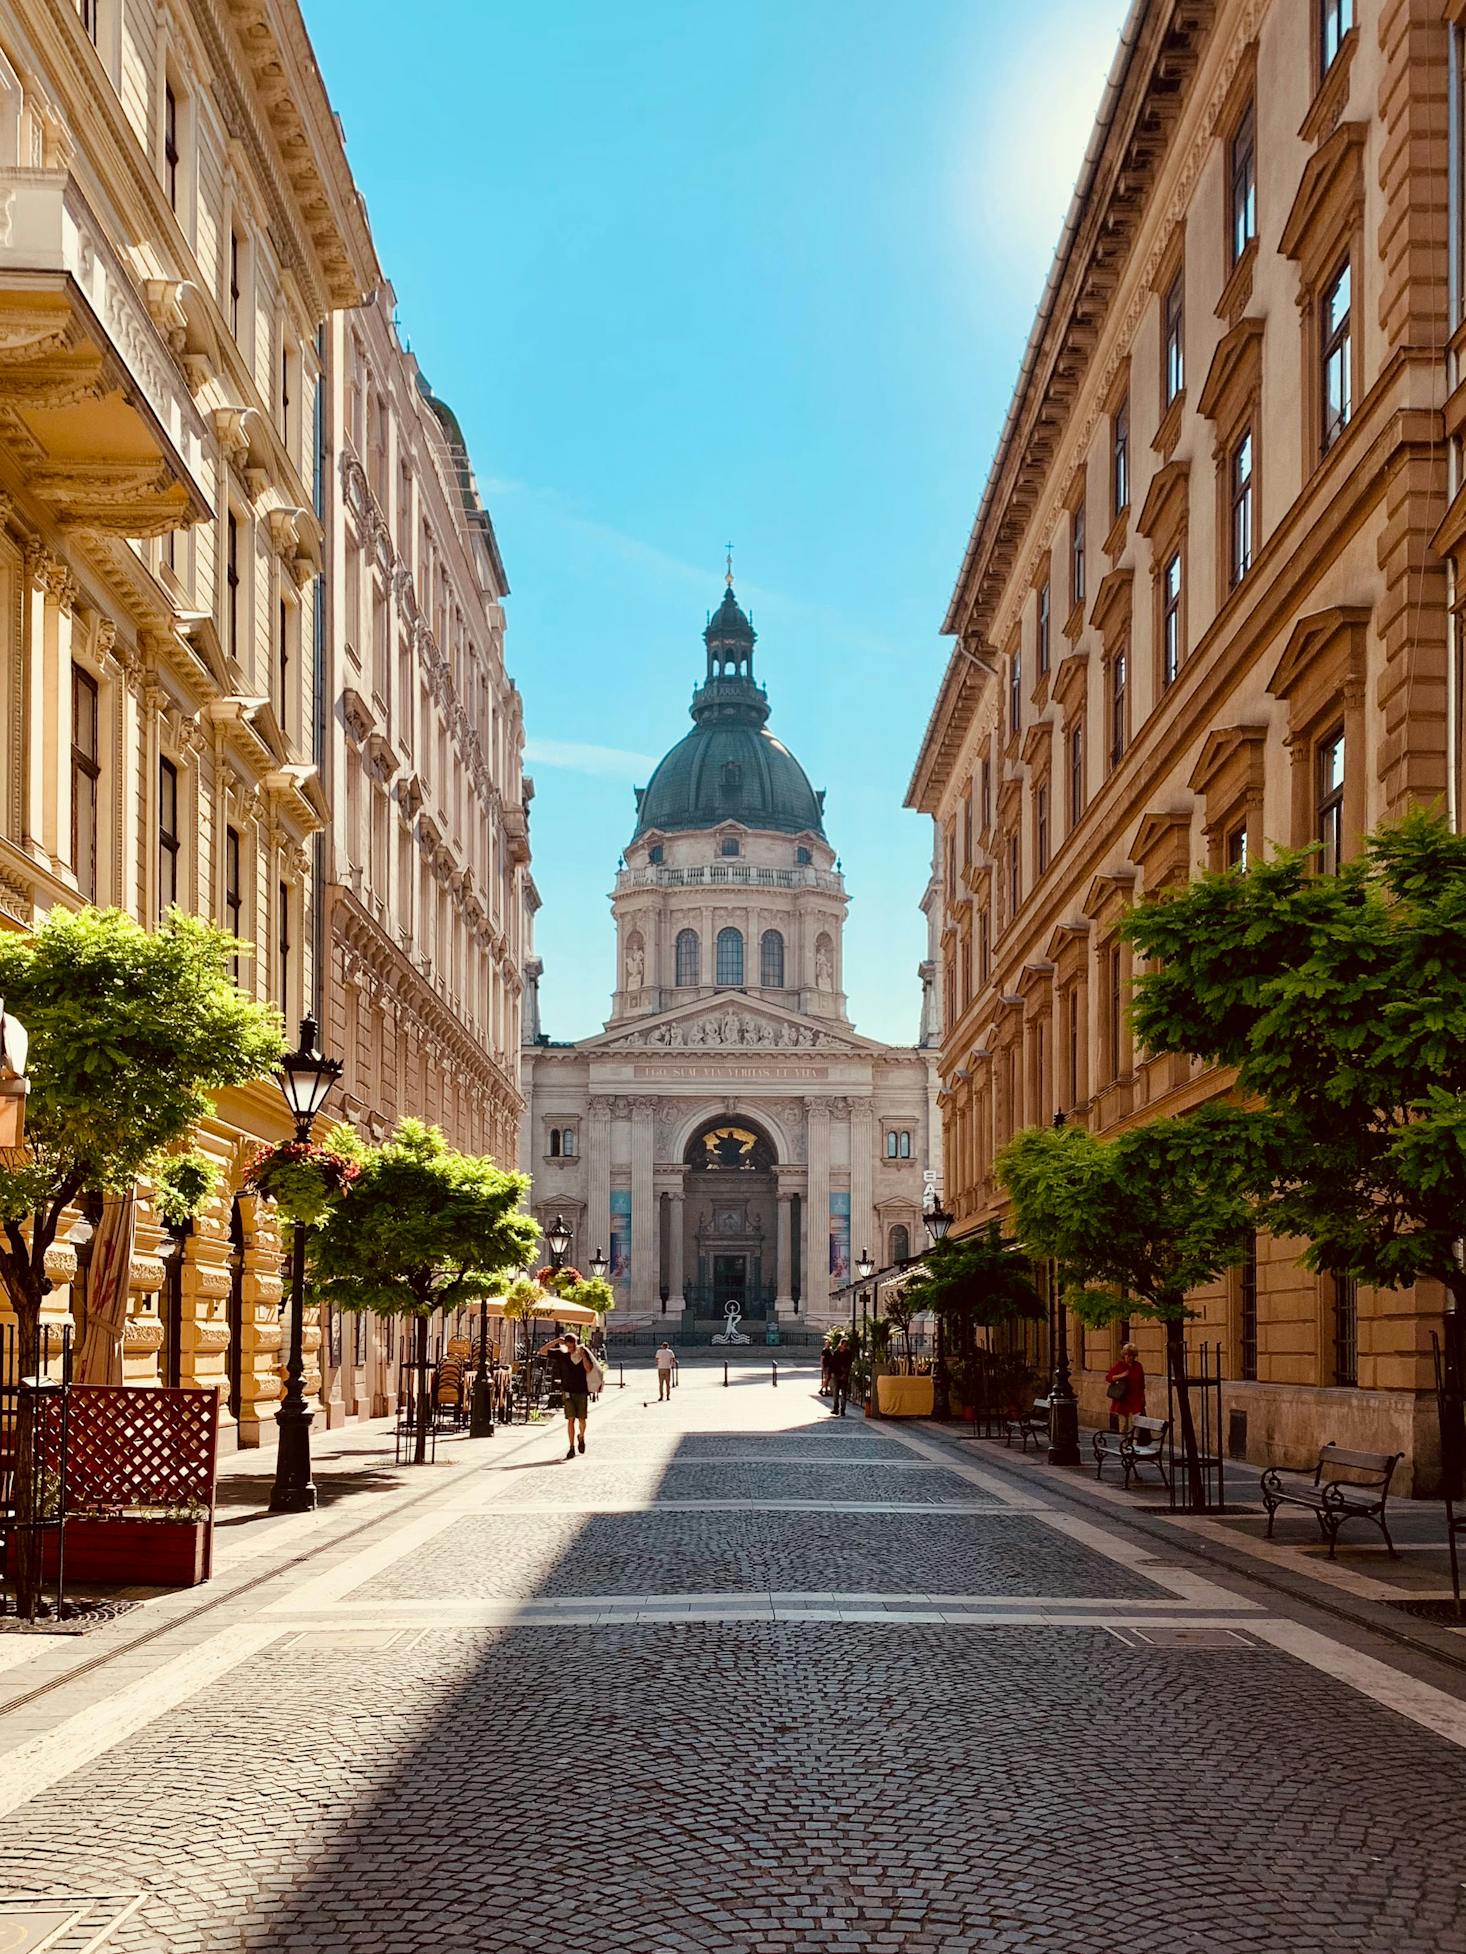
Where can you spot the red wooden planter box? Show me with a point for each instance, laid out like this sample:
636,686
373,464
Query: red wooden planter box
135,1553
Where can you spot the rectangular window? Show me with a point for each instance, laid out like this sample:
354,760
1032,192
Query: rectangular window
170,144
233,889
1120,458
1247,1311
1242,178
987,795
1119,706
170,840
1335,346
1329,830
89,19
1240,469
1076,773
1115,999
1076,557
1173,328
1236,848
1015,692
86,774
234,285
1044,607
282,663
284,939
984,946
1346,1329
1073,1051
231,584
1171,619
1015,876
1335,18
1041,827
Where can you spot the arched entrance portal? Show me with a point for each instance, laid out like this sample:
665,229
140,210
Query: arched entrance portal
731,1218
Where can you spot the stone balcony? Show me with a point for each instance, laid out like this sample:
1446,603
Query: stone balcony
91,394
746,874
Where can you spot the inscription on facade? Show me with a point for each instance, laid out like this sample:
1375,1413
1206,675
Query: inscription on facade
730,1071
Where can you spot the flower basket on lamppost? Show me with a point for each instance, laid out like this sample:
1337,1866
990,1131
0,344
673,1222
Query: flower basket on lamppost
303,1180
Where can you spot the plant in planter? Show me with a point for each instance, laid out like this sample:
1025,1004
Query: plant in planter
304,1179
183,1186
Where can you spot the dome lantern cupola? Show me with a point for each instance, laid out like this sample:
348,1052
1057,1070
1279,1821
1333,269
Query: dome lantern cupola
729,767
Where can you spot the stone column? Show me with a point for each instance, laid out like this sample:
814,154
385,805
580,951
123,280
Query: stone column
643,1207
40,749
864,1229
783,1299
676,1273
816,1286
598,1155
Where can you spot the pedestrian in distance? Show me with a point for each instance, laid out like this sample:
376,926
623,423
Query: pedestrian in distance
842,1357
1125,1388
666,1366
579,1376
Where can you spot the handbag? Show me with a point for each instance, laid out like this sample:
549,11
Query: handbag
595,1377
1117,1388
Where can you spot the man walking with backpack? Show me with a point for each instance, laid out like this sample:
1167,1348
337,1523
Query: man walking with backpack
579,1377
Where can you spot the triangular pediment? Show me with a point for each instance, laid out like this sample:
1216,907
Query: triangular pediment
734,1023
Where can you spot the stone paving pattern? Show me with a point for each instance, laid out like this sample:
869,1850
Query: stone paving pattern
552,1554
742,1786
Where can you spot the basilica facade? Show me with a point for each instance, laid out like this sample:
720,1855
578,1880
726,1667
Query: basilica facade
729,1138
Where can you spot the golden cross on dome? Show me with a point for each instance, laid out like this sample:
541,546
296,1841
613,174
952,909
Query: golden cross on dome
729,560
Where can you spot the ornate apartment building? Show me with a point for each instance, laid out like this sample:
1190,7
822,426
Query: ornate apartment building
179,237
1208,605
428,844
730,1138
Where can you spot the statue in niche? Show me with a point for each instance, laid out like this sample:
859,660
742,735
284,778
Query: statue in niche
635,964
824,965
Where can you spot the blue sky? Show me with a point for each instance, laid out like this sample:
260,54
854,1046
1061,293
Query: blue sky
692,273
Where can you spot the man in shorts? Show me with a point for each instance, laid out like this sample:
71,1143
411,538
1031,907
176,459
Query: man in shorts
571,1362
666,1364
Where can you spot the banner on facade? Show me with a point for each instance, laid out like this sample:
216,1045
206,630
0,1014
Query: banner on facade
840,1238
620,1254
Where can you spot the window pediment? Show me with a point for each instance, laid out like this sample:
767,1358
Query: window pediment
1166,505
1109,893
1071,680
1111,613
1328,204
1232,378
1037,741
1324,653
1231,761
1162,848
1068,949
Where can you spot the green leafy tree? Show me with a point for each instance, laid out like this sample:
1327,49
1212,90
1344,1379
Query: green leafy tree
183,1186
970,1282
1341,1002
1135,1223
422,1227
131,1031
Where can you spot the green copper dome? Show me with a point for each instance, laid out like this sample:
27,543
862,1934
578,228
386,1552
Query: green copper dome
729,767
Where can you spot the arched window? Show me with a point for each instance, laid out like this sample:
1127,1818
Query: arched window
771,961
730,956
729,845
900,1246
567,1143
803,857
689,958
554,1143
732,777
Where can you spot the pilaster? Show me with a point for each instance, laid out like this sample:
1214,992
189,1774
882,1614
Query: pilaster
598,1155
816,1283
863,1230
643,1207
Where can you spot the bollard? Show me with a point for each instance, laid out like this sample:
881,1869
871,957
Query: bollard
776,1373
725,1373
621,1375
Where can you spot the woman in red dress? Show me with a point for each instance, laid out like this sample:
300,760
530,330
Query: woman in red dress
1129,1403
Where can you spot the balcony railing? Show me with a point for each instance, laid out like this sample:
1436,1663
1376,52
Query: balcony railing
719,873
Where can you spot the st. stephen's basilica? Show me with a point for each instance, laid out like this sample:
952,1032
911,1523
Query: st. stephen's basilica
729,1137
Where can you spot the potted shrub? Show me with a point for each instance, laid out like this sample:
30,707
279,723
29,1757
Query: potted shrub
145,1546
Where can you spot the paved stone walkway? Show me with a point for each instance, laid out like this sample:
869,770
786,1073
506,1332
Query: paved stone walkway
742,1678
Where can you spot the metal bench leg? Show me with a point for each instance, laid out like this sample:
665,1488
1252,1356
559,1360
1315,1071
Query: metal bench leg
1272,1514
1388,1542
1332,1529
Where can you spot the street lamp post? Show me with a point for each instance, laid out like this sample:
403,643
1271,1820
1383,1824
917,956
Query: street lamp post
864,1270
1063,1405
938,1221
306,1080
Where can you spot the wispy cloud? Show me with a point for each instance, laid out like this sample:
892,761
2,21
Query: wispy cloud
576,756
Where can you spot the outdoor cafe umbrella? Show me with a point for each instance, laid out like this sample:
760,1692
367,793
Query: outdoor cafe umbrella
552,1310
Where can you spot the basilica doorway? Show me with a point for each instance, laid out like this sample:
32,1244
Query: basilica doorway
730,1218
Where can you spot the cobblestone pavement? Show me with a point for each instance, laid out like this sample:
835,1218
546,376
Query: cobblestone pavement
1109,1749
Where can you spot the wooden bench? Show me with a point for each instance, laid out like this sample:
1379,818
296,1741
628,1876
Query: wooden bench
1032,1426
1333,1499
1144,1444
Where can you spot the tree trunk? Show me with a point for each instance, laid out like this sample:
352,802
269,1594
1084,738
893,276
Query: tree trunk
424,1409
1190,1455
23,1548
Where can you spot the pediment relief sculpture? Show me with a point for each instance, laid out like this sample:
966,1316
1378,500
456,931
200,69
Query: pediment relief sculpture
732,1029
